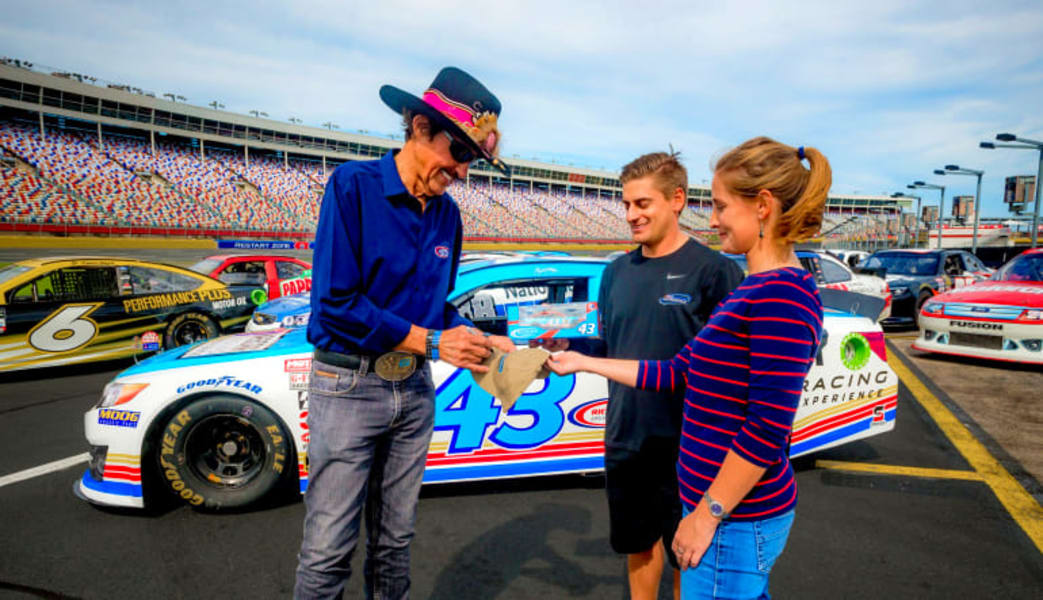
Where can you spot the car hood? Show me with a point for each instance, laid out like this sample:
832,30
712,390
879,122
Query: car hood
1027,294
287,305
228,348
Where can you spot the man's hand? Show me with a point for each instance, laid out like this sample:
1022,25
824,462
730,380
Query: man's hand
550,344
464,347
502,343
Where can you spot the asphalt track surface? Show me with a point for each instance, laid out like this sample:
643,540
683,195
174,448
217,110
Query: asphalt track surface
857,534
908,514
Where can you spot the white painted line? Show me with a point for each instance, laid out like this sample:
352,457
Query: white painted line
50,467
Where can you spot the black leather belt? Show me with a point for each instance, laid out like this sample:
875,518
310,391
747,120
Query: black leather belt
354,361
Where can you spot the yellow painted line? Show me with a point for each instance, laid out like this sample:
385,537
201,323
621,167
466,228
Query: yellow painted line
878,469
1023,508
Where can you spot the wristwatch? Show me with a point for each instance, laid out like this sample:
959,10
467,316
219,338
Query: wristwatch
716,508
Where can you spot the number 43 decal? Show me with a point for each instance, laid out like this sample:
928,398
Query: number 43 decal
65,330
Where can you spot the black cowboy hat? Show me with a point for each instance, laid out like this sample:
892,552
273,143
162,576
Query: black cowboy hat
459,104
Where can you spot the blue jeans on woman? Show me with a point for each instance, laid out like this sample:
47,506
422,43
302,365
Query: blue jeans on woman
738,561
368,447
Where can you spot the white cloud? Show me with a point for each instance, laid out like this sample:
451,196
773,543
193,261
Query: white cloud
888,89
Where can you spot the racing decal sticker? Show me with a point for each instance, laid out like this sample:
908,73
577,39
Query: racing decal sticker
175,299
675,299
297,365
258,297
442,251
299,381
854,351
233,344
66,329
3,320
298,285
291,321
983,325
591,414
223,381
150,341
119,418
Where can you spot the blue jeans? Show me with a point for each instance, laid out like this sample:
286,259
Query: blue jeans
738,561
368,447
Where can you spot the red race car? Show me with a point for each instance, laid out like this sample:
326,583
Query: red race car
280,275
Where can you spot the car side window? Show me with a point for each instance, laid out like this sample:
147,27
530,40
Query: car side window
833,272
953,265
73,284
250,272
288,270
486,306
150,280
22,294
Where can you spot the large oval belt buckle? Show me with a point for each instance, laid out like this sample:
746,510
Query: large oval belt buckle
395,366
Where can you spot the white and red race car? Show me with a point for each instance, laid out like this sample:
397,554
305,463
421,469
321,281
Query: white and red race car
224,423
1001,318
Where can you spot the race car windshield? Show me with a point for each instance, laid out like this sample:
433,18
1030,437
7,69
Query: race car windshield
1023,268
899,263
11,271
205,266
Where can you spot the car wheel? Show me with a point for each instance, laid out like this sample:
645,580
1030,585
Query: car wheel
189,328
920,301
223,452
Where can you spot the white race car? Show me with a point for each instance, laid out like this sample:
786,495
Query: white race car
1000,318
223,423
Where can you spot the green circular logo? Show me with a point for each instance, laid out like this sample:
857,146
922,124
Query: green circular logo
854,351
258,297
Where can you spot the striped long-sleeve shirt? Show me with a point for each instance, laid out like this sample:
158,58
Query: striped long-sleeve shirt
743,375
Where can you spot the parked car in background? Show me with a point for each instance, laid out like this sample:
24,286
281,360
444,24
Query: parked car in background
67,310
836,275
851,258
1000,319
224,423
915,276
279,275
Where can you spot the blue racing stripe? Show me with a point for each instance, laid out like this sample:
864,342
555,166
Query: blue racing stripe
830,436
115,488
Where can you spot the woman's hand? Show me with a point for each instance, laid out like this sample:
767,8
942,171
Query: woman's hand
693,537
566,362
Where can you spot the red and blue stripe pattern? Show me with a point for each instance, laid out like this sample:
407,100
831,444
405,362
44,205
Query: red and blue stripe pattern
744,375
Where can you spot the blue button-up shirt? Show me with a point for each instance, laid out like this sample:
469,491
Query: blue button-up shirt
380,264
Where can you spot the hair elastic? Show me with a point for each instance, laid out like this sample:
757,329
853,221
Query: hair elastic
800,153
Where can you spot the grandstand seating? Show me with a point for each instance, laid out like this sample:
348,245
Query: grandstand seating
73,178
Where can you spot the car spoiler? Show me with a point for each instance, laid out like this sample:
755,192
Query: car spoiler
852,302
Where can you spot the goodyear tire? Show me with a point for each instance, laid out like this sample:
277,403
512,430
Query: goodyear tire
920,301
222,452
189,328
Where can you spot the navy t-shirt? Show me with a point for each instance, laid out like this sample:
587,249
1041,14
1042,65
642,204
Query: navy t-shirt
650,308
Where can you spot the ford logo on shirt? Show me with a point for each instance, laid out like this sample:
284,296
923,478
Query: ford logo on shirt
442,251
674,299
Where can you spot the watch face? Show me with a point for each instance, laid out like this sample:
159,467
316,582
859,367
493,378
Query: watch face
716,509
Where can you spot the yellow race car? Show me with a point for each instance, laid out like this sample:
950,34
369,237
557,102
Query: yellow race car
66,310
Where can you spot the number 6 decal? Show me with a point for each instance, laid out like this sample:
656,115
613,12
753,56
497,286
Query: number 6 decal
65,330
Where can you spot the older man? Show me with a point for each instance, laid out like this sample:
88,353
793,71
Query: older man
387,250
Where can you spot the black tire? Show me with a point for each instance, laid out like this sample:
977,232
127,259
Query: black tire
189,328
223,452
920,301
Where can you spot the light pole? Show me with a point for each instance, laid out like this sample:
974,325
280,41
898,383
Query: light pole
1024,144
956,170
216,105
258,113
174,97
330,125
295,120
941,204
918,215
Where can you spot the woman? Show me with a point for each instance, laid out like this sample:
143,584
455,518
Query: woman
743,373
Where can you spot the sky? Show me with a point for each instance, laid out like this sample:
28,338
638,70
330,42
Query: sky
888,90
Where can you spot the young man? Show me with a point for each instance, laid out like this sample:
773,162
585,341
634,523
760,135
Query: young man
387,248
652,302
